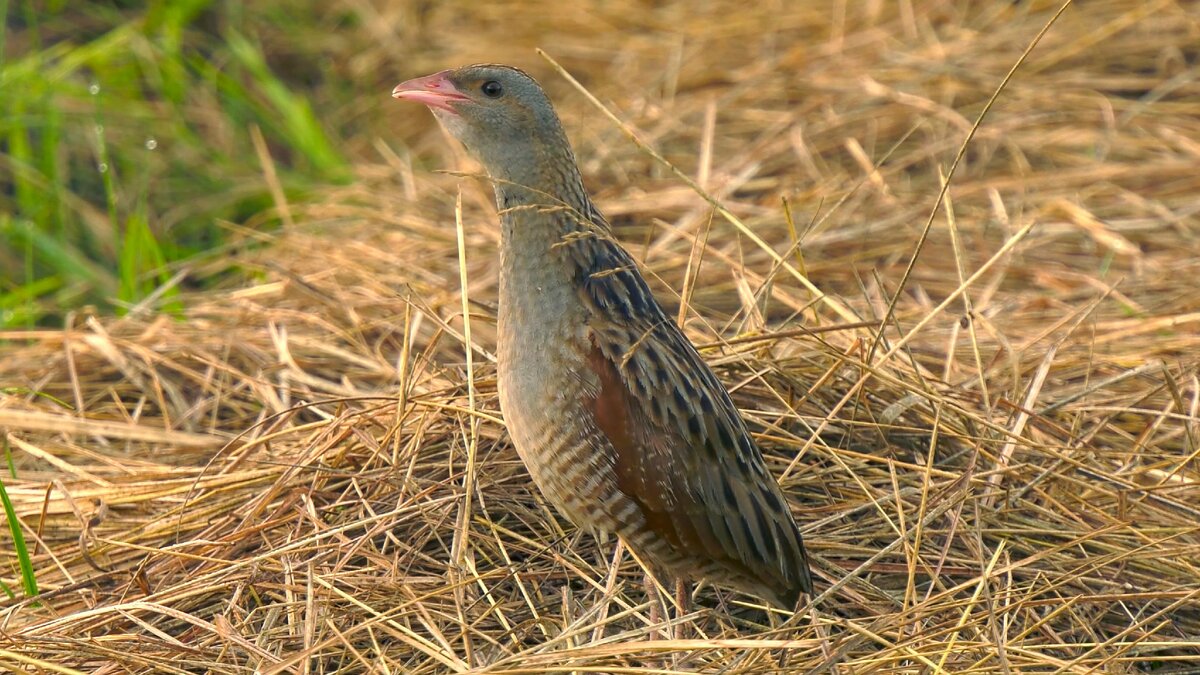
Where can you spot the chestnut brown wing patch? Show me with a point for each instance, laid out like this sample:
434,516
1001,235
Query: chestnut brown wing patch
662,475
640,472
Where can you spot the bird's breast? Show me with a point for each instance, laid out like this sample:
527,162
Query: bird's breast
544,382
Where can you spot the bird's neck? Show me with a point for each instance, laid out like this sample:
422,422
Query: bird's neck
542,204
543,174
541,200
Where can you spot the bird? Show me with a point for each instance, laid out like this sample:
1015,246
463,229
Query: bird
620,422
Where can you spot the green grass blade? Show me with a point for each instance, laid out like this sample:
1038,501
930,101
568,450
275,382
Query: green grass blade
298,125
55,253
28,579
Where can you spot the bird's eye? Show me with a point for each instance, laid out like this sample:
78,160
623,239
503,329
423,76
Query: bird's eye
492,89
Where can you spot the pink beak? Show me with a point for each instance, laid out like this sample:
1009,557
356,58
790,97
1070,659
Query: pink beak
435,91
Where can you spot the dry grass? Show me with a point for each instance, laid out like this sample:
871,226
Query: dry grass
294,477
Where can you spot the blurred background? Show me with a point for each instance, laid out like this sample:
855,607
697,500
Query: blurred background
126,138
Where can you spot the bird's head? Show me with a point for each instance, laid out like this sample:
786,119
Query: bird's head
499,113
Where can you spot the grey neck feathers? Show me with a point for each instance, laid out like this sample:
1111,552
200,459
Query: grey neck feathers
541,198
542,204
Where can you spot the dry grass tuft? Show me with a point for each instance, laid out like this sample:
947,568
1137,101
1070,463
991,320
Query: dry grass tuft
292,478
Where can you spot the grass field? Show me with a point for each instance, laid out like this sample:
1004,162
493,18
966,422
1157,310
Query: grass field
248,426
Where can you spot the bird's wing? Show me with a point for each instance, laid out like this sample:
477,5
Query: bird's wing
682,451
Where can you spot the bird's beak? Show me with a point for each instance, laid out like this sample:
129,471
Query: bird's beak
435,91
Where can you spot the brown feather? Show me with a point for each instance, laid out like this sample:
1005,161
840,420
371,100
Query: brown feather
613,416
647,474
